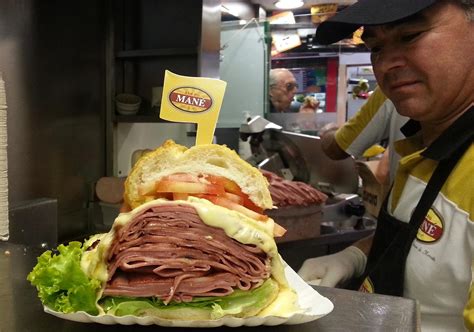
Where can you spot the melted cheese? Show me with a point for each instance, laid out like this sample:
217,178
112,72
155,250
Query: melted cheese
93,262
285,305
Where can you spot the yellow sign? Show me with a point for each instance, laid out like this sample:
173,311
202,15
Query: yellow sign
193,100
320,13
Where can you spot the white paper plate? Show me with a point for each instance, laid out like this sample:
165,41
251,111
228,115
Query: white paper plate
314,305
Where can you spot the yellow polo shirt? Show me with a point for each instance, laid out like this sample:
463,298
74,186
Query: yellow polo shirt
376,121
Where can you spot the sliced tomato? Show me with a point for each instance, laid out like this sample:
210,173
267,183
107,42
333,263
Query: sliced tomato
234,198
251,205
232,187
192,184
167,186
214,179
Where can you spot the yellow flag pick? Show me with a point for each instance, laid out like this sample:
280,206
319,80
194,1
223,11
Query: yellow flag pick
193,100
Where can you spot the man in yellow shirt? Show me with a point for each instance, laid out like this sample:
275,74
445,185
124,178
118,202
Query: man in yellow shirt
376,121
422,55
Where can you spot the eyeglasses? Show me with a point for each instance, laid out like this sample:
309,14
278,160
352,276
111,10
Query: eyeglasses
291,86
288,86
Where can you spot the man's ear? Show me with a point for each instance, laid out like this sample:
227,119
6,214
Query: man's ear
270,92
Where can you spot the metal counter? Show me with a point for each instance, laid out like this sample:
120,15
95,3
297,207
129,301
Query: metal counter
21,310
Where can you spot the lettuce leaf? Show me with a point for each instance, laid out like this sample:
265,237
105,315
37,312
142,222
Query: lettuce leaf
61,283
64,287
239,303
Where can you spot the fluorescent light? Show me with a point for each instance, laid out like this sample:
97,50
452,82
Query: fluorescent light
289,4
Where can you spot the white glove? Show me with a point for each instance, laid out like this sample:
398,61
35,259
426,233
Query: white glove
334,269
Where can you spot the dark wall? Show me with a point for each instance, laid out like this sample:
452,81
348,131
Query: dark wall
52,59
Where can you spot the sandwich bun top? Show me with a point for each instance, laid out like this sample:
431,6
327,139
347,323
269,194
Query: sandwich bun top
219,160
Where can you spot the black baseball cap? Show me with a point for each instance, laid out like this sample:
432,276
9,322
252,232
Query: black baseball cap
367,12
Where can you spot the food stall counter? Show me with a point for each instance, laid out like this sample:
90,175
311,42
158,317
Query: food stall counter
21,309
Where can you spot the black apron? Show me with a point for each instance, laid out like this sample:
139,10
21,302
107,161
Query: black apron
385,270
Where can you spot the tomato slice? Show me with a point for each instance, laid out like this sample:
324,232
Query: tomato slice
234,198
168,186
233,188
179,184
251,205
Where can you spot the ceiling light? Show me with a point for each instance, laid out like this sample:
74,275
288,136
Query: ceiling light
289,4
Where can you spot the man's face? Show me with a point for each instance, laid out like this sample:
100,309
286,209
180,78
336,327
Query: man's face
425,65
283,92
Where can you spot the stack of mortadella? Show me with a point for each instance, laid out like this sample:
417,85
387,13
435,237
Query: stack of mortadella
298,207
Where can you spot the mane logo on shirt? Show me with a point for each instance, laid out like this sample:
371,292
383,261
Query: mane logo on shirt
432,228
367,286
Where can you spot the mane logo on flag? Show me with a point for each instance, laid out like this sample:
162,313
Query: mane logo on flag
189,99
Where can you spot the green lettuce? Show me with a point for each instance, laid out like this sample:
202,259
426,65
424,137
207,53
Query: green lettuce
61,283
239,303
64,287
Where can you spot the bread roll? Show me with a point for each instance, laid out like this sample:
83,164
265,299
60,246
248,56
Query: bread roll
171,158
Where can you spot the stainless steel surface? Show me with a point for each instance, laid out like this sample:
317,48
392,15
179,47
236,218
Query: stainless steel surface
304,157
52,59
20,309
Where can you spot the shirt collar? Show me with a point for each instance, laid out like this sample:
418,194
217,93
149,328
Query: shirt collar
450,140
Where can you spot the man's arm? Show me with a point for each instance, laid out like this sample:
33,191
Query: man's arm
330,146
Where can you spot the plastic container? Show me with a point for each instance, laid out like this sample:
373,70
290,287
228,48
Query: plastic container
127,104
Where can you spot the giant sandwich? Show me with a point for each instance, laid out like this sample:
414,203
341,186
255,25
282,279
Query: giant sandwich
195,245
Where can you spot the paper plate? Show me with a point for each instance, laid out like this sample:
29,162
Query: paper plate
313,304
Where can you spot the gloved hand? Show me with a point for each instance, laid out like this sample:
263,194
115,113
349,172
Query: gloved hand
336,268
